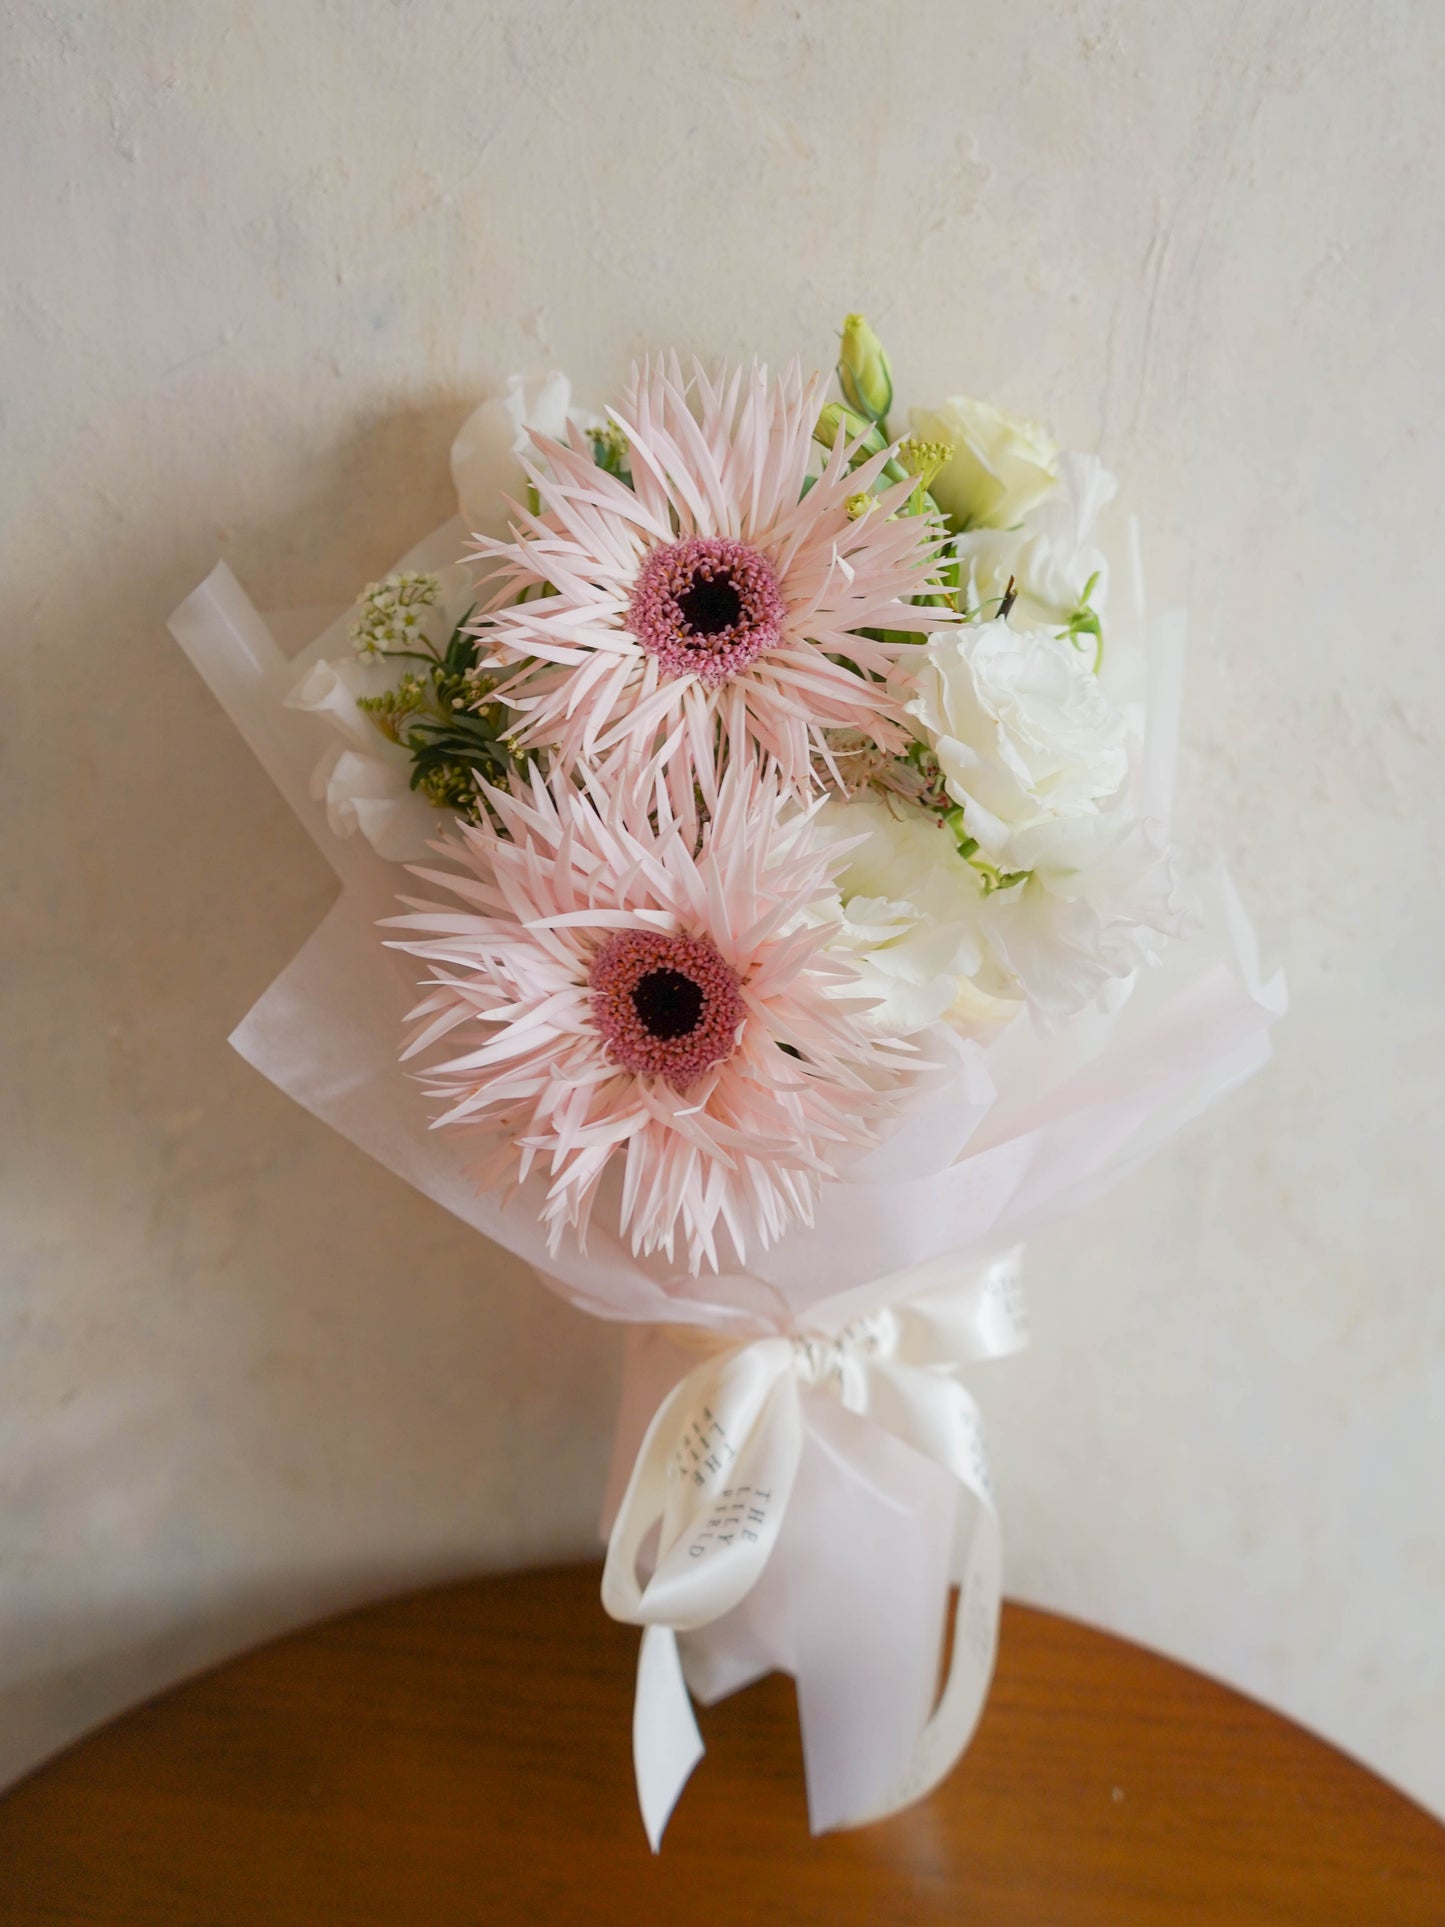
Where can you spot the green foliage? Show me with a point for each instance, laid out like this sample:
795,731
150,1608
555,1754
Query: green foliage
442,716
988,873
1084,626
612,452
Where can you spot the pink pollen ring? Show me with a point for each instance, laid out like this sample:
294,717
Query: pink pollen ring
668,1007
706,606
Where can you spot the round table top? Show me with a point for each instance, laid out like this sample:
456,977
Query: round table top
463,1756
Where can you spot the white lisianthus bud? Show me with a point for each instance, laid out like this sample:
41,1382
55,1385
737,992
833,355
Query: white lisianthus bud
999,467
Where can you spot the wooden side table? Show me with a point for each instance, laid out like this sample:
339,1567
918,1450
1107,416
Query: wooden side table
463,1757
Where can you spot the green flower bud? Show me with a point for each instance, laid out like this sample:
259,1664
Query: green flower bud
864,373
837,421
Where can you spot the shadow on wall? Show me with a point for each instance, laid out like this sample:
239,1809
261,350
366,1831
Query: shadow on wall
248,1376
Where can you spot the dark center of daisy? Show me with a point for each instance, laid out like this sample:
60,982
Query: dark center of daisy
711,605
667,1003
706,606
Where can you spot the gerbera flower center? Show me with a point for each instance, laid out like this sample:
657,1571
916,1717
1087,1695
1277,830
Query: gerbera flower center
668,1007
706,606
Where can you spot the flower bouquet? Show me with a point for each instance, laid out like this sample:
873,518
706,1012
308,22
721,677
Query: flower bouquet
758,912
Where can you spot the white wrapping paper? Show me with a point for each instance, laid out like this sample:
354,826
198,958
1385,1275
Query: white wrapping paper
868,1425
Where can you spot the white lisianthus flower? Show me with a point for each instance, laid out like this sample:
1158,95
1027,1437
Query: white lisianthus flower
486,455
1076,892
1100,896
909,914
932,942
999,469
1021,728
1049,557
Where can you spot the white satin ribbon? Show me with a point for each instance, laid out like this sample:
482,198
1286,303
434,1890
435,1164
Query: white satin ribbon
710,1490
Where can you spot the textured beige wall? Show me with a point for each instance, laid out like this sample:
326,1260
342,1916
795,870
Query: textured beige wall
258,260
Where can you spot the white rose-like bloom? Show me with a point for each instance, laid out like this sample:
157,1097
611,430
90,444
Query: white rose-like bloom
1049,557
999,469
1021,728
908,913
486,464
931,943
1037,756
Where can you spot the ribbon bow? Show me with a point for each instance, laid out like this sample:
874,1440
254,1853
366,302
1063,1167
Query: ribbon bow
714,1476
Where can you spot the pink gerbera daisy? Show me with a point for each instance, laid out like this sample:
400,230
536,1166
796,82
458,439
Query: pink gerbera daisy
718,601
617,985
